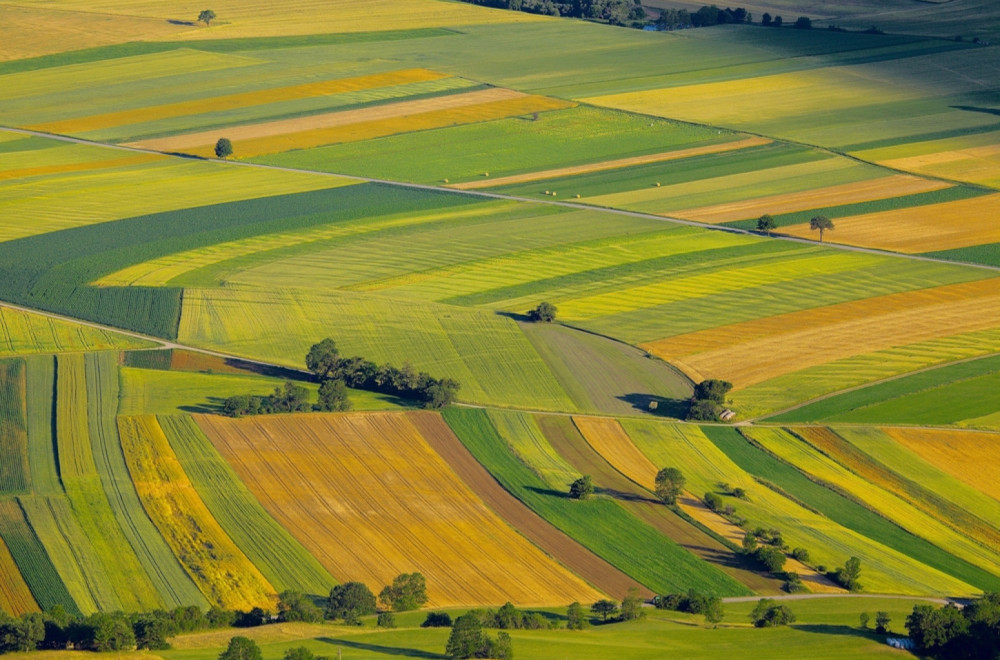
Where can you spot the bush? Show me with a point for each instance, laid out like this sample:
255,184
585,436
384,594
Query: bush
769,613
582,488
544,313
437,620
386,620
801,554
350,601
713,501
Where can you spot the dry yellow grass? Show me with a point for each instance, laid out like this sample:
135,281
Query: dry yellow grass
370,499
241,100
15,597
614,164
221,571
848,193
361,124
24,173
758,350
945,226
968,456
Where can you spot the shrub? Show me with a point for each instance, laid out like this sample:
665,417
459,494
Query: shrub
437,620
386,620
582,488
769,613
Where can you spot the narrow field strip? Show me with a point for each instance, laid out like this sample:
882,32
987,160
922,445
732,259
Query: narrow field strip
15,475
241,136
613,164
33,562
862,191
223,573
948,226
968,456
370,499
15,596
127,161
235,101
41,372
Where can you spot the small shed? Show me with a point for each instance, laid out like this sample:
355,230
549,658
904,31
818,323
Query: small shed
726,415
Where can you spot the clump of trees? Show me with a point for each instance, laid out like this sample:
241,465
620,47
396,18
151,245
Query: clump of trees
611,611
545,312
708,399
694,603
950,633
615,12
290,398
468,639
408,591
769,613
582,488
848,575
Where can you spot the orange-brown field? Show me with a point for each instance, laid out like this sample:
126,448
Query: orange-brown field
367,495
758,350
15,597
968,456
219,568
928,228
848,193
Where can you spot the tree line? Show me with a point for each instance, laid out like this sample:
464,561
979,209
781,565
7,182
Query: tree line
950,633
615,12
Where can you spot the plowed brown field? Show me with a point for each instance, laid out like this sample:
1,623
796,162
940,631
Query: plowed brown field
368,496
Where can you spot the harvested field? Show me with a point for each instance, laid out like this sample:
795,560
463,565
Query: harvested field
971,158
15,596
222,572
936,227
241,100
861,191
555,543
613,164
756,351
337,484
364,123
968,456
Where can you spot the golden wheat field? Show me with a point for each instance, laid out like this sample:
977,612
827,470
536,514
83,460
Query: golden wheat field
609,439
221,571
970,158
614,164
366,495
966,455
239,100
755,351
861,191
928,228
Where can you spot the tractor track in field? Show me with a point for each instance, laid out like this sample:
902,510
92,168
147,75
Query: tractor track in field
499,196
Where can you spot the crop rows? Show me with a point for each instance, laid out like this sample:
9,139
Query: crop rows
222,572
15,596
14,471
281,559
599,524
969,457
32,559
24,333
41,373
380,502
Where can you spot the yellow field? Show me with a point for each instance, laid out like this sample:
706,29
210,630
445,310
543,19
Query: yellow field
221,571
241,100
361,124
24,332
613,164
370,499
15,597
974,159
754,351
848,193
968,456
125,161
259,18
761,99
52,203
806,458
75,455
945,226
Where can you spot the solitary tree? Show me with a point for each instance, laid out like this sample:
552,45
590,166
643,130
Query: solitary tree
206,16
769,613
713,389
575,617
545,312
408,591
766,224
350,601
669,484
882,621
865,618
822,223
631,608
605,608
223,148
241,648
582,488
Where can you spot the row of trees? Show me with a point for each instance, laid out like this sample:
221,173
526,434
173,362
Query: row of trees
706,16
352,600
615,12
950,633
290,398
325,362
766,224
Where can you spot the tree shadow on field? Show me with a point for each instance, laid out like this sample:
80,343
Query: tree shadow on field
839,630
665,407
623,496
212,406
174,21
520,318
378,648
549,492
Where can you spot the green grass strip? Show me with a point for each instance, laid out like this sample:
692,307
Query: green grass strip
988,254
42,450
852,404
33,561
842,510
282,559
599,524
14,472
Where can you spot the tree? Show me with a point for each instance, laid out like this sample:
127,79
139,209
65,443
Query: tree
605,608
766,224
206,16
714,610
408,591
112,633
703,410
386,620
631,608
669,484
768,613
865,618
545,312
323,359
296,606
582,488
152,630
848,575
713,390
467,639
223,148
777,21
437,620
822,223
882,622
749,543
770,558
803,23
713,501
575,617
766,19
350,601
333,397
241,648
502,648
20,635
441,393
